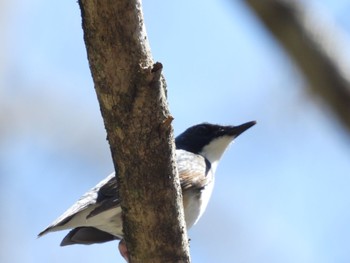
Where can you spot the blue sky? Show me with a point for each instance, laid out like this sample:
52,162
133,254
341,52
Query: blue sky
281,191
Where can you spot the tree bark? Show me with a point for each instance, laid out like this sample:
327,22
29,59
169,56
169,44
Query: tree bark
132,97
315,46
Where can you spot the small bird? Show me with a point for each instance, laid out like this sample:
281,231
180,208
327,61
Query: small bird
96,216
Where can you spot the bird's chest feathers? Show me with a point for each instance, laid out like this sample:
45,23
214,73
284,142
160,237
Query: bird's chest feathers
195,203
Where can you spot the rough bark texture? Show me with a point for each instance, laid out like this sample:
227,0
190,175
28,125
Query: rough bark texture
131,93
315,47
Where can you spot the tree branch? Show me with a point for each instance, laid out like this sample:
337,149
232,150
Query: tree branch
131,94
314,45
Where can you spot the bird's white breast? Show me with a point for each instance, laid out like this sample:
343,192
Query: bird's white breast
195,204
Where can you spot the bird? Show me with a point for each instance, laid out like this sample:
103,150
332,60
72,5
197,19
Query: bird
96,216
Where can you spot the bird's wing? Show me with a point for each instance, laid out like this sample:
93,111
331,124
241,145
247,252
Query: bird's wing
193,170
107,196
100,198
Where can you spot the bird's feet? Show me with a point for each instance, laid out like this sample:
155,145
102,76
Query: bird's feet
123,250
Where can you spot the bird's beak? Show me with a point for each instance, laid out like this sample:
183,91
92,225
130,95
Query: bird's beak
237,130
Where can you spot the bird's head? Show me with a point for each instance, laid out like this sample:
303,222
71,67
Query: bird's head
210,140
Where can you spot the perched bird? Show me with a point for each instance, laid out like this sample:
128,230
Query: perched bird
96,216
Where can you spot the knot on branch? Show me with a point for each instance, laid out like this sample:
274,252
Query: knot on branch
156,72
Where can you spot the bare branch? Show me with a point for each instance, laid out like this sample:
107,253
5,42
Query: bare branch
315,47
131,93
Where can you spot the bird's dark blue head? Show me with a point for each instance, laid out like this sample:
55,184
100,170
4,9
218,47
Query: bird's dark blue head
197,137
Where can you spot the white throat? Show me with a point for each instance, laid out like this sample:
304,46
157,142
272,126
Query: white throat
215,149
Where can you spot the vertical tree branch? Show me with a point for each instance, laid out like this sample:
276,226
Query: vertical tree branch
131,94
